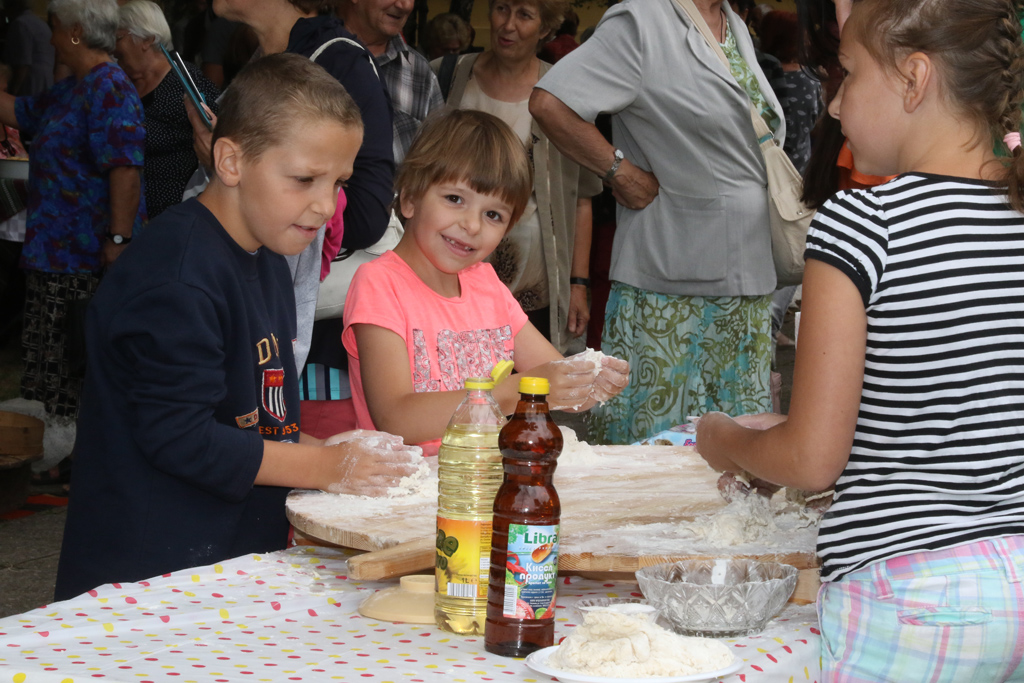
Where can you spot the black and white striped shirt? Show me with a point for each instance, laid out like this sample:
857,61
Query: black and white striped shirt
938,456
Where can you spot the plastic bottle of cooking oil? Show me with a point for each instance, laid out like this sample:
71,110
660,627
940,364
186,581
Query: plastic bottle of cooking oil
469,474
524,552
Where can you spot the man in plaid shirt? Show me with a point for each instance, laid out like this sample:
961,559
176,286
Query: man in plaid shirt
406,73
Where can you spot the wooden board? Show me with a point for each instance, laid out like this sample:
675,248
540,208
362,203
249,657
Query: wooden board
623,508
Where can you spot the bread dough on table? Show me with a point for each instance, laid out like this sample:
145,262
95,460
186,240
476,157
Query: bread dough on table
613,644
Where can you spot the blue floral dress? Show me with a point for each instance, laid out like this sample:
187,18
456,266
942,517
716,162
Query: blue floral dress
80,129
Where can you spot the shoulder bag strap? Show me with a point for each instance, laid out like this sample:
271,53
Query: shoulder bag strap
320,50
446,73
761,128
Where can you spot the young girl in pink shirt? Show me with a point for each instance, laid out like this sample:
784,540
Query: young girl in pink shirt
423,318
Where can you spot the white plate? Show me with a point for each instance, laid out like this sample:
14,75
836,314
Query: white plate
538,661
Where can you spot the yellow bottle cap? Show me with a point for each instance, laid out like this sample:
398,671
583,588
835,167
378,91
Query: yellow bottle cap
502,370
479,383
534,385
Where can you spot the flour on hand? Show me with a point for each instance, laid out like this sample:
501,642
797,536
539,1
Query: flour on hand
610,643
593,356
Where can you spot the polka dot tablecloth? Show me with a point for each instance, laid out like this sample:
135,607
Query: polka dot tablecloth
291,616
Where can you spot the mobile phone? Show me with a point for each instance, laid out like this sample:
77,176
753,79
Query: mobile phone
178,66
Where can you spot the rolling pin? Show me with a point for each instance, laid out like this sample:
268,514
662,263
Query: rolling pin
398,560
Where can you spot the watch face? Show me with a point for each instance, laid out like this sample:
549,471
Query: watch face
117,239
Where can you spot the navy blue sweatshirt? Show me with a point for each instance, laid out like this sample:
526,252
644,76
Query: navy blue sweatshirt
190,368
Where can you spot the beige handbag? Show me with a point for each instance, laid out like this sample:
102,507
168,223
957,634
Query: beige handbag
788,215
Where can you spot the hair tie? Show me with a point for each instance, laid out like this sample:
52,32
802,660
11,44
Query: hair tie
1012,140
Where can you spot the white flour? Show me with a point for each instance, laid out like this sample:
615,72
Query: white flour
606,509
337,509
576,453
421,483
751,519
751,526
591,355
619,645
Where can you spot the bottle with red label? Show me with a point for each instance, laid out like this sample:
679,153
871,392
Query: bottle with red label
524,539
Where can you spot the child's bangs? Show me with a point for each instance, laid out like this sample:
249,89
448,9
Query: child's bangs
490,174
472,147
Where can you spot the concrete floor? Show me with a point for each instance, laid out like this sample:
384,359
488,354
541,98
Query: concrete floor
29,546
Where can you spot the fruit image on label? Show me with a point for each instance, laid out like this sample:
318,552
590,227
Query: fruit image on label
462,558
531,572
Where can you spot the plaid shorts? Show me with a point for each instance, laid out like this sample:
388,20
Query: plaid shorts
949,615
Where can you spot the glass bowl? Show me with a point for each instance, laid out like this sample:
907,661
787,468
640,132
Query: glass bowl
718,598
635,606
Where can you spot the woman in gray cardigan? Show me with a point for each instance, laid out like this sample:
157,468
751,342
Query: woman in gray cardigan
545,258
691,263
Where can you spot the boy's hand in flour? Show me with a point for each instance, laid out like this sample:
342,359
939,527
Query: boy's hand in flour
367,463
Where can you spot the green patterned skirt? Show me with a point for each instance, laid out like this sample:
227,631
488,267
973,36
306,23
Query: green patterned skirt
688,355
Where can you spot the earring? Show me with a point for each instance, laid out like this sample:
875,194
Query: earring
75,41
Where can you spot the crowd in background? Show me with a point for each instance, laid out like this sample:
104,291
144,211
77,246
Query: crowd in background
907,387
113,145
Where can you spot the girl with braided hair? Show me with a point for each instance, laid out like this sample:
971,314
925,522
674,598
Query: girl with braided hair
908,390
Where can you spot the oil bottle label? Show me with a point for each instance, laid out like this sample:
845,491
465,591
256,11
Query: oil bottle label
463,558
531,572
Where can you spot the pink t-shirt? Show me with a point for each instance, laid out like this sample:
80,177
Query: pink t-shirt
449,340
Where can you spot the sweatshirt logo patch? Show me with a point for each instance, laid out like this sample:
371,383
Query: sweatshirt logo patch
273,393
246,421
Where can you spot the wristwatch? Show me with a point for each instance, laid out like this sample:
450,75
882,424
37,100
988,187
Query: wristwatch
619,156
118,239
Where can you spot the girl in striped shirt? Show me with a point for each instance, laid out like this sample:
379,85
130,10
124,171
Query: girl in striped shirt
908,391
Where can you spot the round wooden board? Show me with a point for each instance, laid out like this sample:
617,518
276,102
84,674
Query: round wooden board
622,512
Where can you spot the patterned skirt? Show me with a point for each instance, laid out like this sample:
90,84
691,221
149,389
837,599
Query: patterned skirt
688,355
50,374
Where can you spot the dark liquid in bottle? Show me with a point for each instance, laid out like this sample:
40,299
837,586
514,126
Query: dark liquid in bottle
527,505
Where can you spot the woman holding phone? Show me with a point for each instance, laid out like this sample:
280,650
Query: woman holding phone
170,159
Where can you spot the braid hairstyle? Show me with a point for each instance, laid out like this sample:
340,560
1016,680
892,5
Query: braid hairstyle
977,44
1013,98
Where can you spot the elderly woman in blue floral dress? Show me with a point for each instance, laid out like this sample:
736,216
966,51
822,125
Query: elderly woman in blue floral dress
85,189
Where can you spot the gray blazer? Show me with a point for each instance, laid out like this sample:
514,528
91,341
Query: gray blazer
678,112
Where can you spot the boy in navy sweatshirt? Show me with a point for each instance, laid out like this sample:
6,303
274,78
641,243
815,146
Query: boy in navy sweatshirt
188,435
